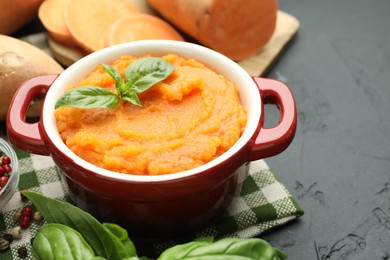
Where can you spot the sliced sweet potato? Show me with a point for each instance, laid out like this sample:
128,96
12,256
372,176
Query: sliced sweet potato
65,55
51,14
141,26
89,20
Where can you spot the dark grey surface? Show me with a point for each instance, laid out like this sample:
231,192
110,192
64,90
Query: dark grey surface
338,166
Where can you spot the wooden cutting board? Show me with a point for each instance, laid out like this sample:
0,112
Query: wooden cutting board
287,27
257,65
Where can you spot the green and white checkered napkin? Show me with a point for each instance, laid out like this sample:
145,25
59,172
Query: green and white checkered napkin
263,204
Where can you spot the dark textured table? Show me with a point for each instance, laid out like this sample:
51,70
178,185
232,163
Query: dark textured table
338,166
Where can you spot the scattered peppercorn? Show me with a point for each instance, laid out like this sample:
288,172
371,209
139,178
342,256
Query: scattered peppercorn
38,216
4,244
16,216
24,221
8,237
26,211
22,252
17,232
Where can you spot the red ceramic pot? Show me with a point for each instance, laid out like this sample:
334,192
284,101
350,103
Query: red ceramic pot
152,205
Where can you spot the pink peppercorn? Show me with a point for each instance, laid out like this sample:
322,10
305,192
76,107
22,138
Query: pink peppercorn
26,211
24,222
7,168
3,181
5,160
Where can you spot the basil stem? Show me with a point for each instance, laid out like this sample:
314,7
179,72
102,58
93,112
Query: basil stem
114,74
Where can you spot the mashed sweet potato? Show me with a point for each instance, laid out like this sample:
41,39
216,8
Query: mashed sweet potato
187,120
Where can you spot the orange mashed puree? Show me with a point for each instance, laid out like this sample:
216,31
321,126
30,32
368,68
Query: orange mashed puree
185,121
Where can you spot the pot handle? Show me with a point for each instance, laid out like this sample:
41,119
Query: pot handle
272,141
22,134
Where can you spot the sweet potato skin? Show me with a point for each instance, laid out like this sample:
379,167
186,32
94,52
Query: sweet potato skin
235,28
20,61
16,13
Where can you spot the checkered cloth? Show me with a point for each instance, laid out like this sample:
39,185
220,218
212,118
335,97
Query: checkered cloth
263,204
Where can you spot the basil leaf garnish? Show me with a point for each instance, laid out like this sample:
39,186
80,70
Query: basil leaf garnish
144,73
114,74
139,77
132,97
88,97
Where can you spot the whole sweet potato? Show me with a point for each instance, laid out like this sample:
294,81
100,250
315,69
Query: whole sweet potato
16,13
20,61
235,28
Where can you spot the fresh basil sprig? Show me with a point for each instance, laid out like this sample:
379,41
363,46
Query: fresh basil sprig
139,77
103,240
75,234
224,249
55,240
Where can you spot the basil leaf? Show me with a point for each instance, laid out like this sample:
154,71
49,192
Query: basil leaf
144,73
209,239
124,244
57,241
114,74
228,248
132,97
88,97
55,211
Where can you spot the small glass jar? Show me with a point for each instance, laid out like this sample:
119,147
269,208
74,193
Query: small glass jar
11,186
